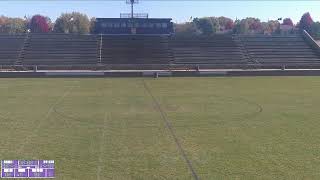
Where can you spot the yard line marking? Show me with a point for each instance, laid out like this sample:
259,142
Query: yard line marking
28,138
101,147
172,131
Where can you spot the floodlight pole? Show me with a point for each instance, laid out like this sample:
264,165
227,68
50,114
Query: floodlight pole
132,2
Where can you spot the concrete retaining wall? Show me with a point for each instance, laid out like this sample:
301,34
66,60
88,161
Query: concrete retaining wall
226,73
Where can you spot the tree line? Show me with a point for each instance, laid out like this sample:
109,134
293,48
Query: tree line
74,22
79,23
249,25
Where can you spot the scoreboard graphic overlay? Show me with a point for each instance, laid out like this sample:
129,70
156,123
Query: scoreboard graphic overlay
27,169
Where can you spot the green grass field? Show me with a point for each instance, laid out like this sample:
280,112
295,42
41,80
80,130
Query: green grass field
228,128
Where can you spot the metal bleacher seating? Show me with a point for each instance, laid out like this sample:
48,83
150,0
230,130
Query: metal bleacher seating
214,50
60,49
219,51
123,49
10,47
289,50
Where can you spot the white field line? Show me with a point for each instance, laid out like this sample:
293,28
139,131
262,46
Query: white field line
28,138
102,140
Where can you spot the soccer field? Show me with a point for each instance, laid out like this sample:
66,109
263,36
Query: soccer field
166,128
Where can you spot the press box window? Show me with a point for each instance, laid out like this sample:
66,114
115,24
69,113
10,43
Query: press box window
123,25
164,25
151,25
109,25
104,25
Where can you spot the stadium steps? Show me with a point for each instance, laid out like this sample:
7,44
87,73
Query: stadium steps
247,56
22,51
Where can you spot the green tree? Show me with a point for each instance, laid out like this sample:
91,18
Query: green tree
74,22
236,27
248,25
214,23
271,27
206,25
12,25
274,26
287,21
187,28
17,25
306,22
92,24
315,30
225,23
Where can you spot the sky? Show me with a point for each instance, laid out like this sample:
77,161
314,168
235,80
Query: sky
178,10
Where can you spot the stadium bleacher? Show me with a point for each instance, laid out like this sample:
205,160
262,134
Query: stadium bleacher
10,48
60,49
132,49
215,50
289,50
221,51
